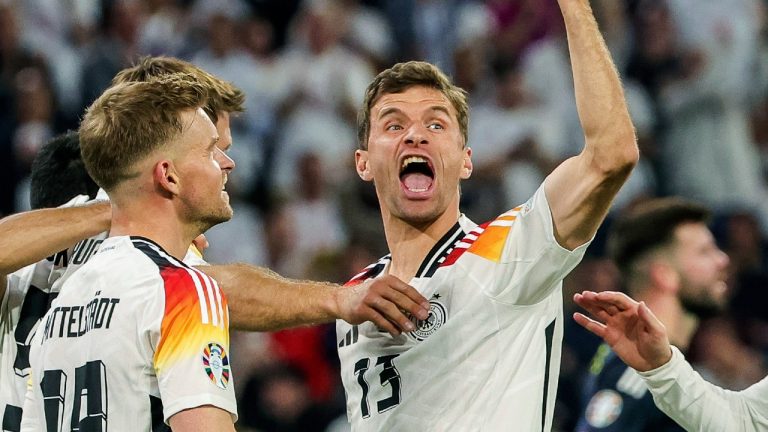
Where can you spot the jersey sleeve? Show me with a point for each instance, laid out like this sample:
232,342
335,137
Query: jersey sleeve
698,405
191,357
530,262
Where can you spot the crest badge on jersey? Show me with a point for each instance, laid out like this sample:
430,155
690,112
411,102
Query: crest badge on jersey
216,364
436,318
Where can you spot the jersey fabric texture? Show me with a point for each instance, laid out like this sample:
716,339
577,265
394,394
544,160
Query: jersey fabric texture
488,356
28,296
698,405
134,337
617,399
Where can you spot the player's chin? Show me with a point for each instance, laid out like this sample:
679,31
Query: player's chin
221,215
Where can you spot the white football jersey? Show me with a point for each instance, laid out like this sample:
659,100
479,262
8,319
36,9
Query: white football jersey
28,296
488,356
134,337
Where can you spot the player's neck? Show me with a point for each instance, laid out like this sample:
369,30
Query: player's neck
155,223
409,244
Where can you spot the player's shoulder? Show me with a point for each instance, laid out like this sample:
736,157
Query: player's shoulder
134,260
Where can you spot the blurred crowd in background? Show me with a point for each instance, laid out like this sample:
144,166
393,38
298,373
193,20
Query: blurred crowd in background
695,75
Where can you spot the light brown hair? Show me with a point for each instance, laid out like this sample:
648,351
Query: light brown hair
223,96
131,120
400,78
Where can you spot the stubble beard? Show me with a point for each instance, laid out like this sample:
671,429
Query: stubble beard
703,305
207,219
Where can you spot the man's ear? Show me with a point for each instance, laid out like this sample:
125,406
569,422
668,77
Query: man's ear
362,166
664,276
166,178
466,170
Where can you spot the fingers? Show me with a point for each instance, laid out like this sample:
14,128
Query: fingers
649,320
201,243
401,287
384,324
389,312
590,324
388,302
619,300
404,303
594,306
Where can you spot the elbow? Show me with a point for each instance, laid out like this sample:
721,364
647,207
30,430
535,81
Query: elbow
618,158
628,156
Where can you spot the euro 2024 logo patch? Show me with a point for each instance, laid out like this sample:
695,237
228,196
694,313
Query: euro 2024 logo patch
216,364
436,318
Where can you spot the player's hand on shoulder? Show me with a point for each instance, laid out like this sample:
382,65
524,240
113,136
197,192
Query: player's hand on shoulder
387,301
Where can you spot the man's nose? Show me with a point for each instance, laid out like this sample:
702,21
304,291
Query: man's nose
417,135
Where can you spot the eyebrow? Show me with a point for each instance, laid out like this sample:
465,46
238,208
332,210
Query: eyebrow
394,110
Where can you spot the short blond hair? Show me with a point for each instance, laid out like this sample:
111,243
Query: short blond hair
223,96
131,120
400,78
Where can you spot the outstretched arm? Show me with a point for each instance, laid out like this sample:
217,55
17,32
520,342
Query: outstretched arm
581,189
639,338
261,300
28,237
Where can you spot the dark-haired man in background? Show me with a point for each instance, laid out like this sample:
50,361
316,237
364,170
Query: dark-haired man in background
669,260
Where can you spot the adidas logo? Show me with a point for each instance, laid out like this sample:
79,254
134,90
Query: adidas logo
350,338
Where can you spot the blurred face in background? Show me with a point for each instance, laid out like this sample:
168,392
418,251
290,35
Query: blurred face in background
703,269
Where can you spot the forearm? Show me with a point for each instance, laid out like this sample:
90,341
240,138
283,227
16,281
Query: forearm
28,237
600,101
581,189
698,405
261,300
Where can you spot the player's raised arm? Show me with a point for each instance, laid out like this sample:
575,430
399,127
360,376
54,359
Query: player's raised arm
581,189
28,237
261,300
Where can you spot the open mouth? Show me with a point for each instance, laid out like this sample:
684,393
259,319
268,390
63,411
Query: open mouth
416,174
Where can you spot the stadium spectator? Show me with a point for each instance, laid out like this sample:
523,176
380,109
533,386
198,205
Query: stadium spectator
669,260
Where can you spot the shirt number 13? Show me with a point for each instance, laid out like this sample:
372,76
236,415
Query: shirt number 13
389,376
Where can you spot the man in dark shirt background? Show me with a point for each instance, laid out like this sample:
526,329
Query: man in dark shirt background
668,259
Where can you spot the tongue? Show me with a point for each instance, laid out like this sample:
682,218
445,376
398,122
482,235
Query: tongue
416,181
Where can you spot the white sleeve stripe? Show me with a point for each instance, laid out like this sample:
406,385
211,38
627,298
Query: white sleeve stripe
217,290
195,275
200,296
505,223
213,287
211,299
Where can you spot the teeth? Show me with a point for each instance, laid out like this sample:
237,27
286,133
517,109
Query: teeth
418,190
412,159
